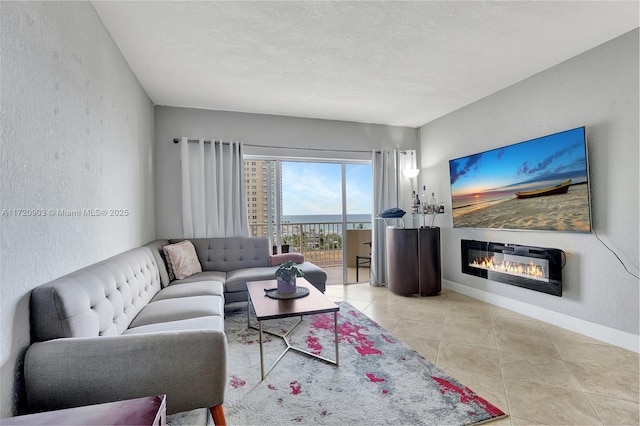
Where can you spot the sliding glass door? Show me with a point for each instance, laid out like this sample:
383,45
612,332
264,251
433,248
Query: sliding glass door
358,194
320,209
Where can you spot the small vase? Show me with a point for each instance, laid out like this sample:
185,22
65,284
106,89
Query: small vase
286,286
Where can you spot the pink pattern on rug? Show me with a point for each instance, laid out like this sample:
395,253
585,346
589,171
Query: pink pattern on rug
467,396
295,387
348,332
373,378
314,345
237,382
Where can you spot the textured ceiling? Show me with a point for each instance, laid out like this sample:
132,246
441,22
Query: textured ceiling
399,63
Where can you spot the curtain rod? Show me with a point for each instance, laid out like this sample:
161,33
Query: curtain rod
177,140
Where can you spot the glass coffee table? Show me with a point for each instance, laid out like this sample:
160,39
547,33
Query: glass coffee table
266,308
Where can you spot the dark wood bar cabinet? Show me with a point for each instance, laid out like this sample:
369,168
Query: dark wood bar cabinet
413,261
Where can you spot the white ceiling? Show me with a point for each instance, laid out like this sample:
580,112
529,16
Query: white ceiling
399,63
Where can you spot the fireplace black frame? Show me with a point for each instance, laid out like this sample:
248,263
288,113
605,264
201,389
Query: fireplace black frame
555,258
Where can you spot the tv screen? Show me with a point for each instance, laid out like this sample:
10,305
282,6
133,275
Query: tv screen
540,184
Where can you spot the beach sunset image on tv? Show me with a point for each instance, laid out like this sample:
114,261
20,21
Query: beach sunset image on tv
540,184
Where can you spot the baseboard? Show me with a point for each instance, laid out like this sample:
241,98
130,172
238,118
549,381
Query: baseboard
600,332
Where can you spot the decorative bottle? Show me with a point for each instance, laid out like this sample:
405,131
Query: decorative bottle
424,198
433,206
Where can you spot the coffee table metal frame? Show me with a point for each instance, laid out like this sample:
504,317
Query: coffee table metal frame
287,308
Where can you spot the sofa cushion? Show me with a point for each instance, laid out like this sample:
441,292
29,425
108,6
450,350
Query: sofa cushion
202,288
212,322
237,280
218,276
182,260
179,309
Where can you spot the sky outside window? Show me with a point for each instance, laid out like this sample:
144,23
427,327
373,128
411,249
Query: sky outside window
316,188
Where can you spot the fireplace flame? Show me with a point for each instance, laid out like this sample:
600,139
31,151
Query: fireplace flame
530,270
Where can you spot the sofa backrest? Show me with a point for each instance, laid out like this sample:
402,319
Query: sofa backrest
231,253
99,300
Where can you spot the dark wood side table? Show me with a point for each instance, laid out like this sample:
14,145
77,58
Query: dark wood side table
150,411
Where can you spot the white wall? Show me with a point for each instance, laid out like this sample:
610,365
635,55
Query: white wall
77,133
598,89
256,129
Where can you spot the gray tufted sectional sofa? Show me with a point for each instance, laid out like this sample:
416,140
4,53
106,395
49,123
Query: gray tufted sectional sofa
120,329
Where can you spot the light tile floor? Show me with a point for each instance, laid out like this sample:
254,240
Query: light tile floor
536,372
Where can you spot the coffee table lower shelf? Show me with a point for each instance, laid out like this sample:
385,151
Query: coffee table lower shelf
269,309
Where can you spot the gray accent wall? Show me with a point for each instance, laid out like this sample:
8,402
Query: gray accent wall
77,136
599,90
263,135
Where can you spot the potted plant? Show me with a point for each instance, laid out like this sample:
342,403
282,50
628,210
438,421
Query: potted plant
286,275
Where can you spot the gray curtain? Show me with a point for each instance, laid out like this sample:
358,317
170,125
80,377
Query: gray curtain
385,195
214,201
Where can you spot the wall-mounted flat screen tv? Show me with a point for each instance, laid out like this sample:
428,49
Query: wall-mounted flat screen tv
540,184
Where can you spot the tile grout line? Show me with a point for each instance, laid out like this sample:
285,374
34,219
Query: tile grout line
504,386
582,390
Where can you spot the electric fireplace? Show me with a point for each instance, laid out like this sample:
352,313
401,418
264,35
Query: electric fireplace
534,268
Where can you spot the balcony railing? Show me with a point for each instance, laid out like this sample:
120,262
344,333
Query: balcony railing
320,243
